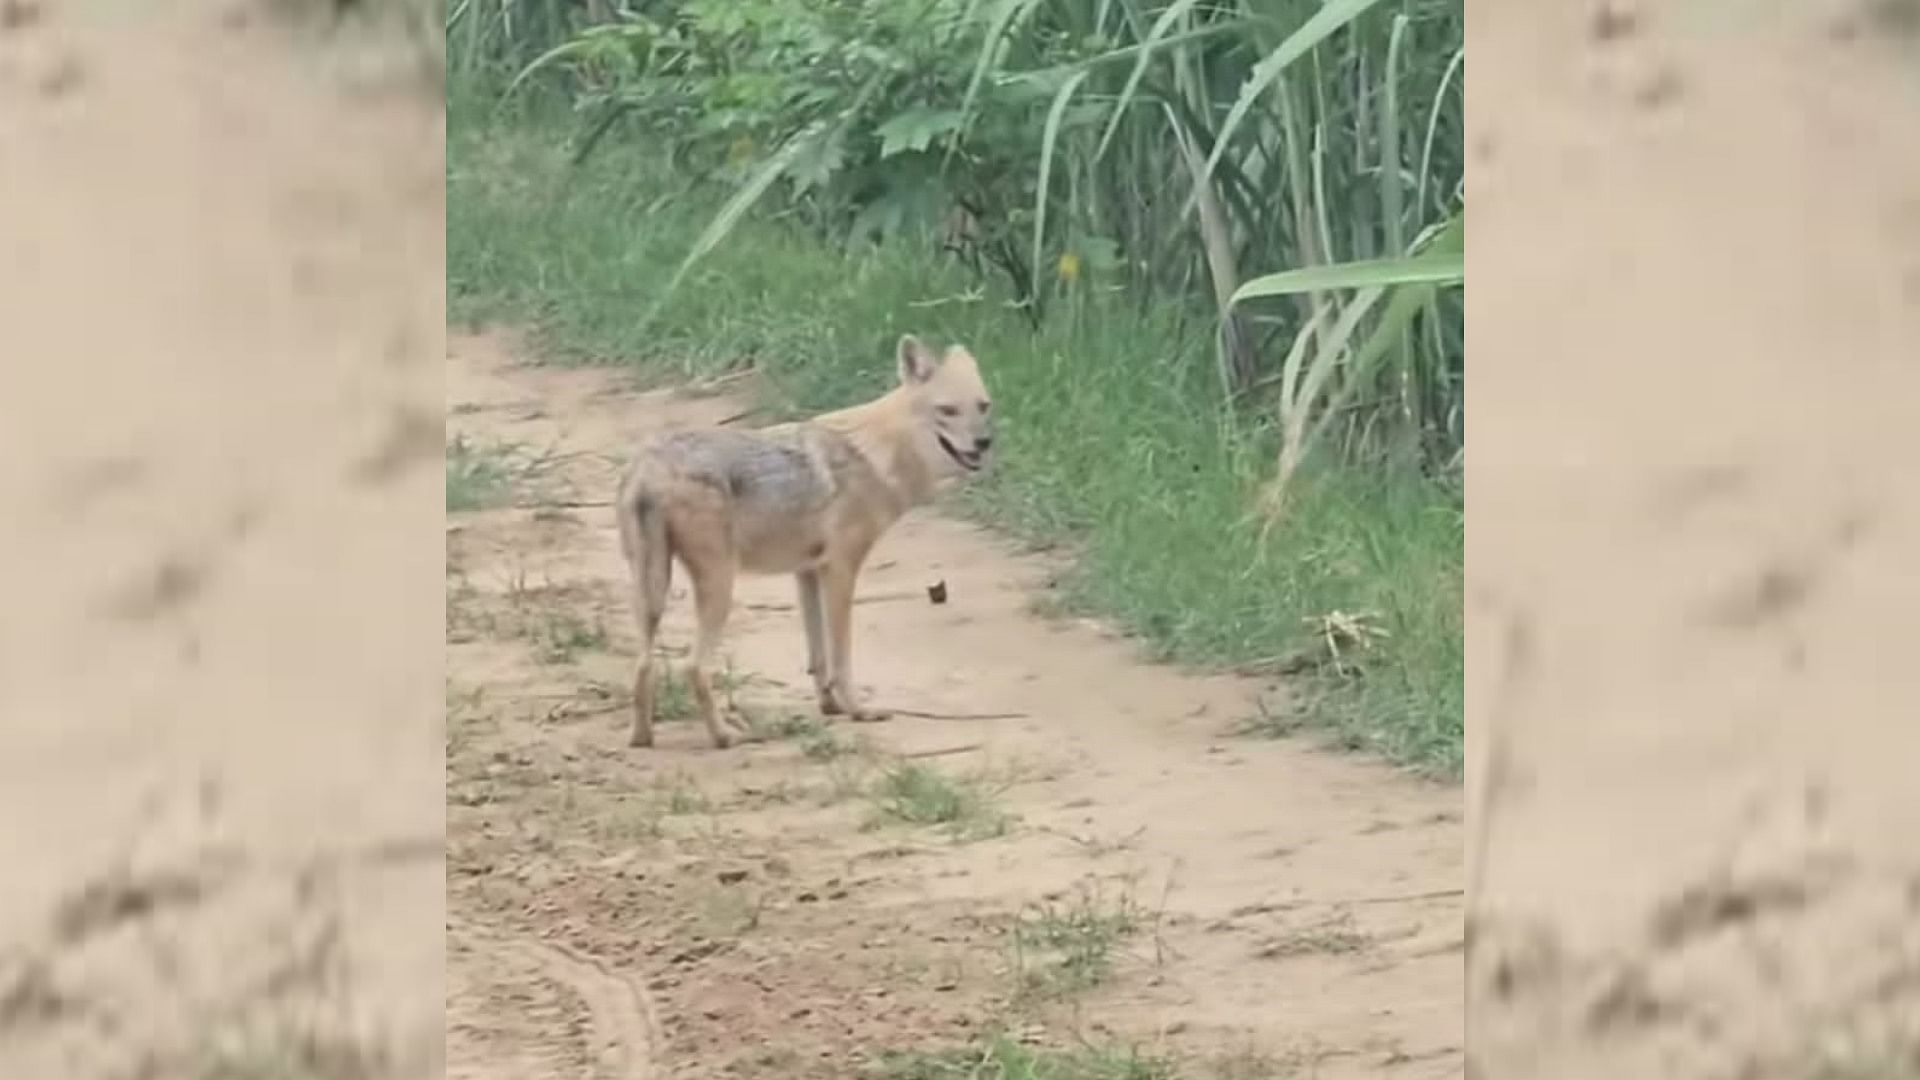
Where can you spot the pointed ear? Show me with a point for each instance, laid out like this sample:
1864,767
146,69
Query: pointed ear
916,361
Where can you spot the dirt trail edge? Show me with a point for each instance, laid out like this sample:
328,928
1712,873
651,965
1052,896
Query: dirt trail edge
1065,842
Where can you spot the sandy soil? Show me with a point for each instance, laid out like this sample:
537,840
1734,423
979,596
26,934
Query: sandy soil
1692,738
221,320
692,912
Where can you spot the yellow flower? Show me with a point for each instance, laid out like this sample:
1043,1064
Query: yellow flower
1069,268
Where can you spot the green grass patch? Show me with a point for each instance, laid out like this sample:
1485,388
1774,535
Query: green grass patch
1115,445
562,636
673,698
916,794
1007,1059
478,477
1067,947
816,739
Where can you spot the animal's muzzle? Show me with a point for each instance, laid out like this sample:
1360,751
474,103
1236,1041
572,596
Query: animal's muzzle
968,460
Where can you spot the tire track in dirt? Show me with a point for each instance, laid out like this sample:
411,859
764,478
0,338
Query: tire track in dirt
1300,906
619,1009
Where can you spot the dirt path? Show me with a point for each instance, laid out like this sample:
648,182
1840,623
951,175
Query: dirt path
1128,869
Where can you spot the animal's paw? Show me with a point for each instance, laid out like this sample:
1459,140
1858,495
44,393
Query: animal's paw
835,703
640,739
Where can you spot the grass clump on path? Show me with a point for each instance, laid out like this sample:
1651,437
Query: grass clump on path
915,794
478,477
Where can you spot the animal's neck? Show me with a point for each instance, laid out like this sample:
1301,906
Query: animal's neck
882,431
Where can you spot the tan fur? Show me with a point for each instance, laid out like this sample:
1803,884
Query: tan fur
808,499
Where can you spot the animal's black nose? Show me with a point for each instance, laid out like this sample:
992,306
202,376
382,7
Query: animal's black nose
980,444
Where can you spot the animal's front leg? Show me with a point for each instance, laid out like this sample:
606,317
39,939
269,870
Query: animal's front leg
838,696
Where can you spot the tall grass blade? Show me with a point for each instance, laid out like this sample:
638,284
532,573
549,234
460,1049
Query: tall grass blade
1304,381
1323,24
1224,29
566,50
1436,268
1231,347
760,182
1439,260
1392,195
1048,139
1010,13
1168,18
1433,126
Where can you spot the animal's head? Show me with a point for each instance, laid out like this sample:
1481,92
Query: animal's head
951,408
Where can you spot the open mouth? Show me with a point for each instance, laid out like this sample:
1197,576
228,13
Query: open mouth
969,462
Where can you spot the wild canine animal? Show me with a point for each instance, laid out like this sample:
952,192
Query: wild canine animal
809,499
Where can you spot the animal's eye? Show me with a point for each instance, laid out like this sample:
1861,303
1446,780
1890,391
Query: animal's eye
986,407
946,410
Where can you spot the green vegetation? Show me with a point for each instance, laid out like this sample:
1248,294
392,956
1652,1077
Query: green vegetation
1000,1057
1066,948
563,636
478,477
849,172
917,794
1006,1059
815,739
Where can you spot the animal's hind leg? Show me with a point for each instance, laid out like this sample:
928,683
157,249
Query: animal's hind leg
644,686
713,600
652,578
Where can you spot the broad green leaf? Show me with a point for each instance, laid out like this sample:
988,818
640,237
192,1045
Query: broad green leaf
916,128
1431,268
819,161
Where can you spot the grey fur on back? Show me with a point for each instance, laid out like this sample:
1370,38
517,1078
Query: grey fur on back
771,470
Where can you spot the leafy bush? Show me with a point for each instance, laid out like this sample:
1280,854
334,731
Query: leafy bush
1163,150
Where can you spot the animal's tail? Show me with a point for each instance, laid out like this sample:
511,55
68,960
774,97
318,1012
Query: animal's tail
643,540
